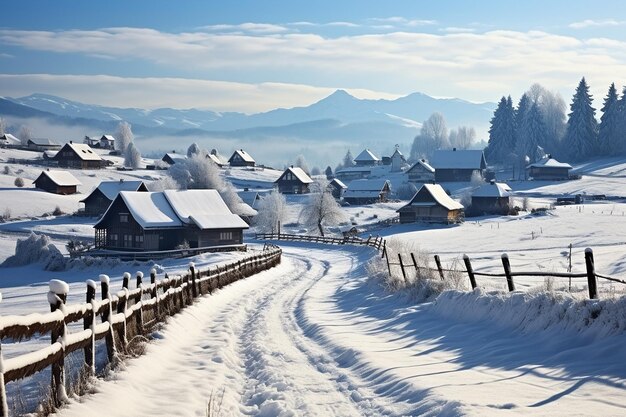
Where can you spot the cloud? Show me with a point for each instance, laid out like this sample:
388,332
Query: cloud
595,23
402,21
453,29
247,27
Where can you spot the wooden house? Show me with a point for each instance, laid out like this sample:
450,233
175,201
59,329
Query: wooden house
165,220
549,169
171,158
431,204
294,181
78,156
458,165
421,172
397,161
337,188
241,158
57,182
107,142
367,191
102,196
491,198
366,158
42,144
8,140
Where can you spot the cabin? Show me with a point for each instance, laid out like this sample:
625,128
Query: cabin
42,144
102,196
78,156
294,181
241,158
367,191
57,182
337,188
107,142
431,204
8,140
491,198
167,220
397,161
421,172
549,169
366,158
172,157
458,165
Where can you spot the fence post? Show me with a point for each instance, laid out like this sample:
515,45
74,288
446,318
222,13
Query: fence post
384,249
4,407
88,324
192,269
57,297
470,271
592,280
125,280
417,268
507,271
402,267
106,316
439,268
121,308
137,301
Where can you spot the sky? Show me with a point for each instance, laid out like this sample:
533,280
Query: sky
253,56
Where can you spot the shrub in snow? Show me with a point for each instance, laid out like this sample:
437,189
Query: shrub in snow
37,249
57,211
7,170
406,191
184,245
132,157
193,149
19,182
6,214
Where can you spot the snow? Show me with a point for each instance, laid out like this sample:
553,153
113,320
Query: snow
83,151
205,208
299,174
58,287
440,196
149,209
245,156
550,162
496,189
366,156
112,188
61,178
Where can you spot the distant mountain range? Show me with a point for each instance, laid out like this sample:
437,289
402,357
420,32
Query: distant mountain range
339,116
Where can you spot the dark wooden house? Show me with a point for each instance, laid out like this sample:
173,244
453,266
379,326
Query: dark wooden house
294,181
367,191
458,165
549,169
431,204
337,188
171,158
78,156
491,198
101,198
241,158
57,182
107,142
421,172
166,220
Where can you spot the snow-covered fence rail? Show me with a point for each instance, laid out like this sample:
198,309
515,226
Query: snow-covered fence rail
590,272
122,316
376,242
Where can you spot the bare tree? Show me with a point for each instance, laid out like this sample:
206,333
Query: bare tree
124,136
132,157
462,137
272,211
321,209
435,128
25,134
301,162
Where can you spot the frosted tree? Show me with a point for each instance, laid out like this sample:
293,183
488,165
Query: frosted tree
501,132
196,172
193,150
123,136
435,128
581,135
3,126
272,211
609,129
233,201
348,160
24,134
533,134
329,173
164,183
316,171
422,147
462,137
552,108
132,156
321,208
301,162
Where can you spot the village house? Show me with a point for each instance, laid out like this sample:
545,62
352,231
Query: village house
107,142
366,158
170,219
241,158
431,204
294,181
217,158
41,144
337,188
8,140
57,182
103,195
549,169
78,156
421,172
458,165
171,158
491,198
367,191
398,161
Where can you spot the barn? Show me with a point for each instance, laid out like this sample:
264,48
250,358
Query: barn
431,204
170,219
294,181
549,169
491,198
102,196
78,156
241,158
57,182
421,172
367,191
458,165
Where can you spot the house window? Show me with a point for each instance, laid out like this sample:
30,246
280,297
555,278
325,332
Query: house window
138,240
226,235
123,217
113,238
128,241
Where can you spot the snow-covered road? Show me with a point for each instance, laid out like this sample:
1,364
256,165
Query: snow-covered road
314,337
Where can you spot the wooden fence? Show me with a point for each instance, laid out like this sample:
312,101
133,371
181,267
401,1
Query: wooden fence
123,316
376,242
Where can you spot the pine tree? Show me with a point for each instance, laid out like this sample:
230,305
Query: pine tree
620,145
608,130
348,160
501,132
581,136
534,135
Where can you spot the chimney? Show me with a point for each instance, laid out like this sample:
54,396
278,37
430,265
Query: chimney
246,189
453,149
71,142
292,166
492,182
423,160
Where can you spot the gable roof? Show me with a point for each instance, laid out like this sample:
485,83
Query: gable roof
149,209
204,208
175,157
422,163
366,156
397,152
367,185
458,159
438,195
60,178
83,151
249,197
9,139
548,162
298,173
216,158
337,183
43,142
110,189
242,154
494,189
108,137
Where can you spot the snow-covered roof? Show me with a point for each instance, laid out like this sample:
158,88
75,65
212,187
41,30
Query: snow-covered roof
366,156
299,174
108,137
494,189
43,142
354,169
111,189
216,159
338,183
397,152
243,155
439,195
83,151
458,159
548,162
367,185
249,197
205,208
61,178
50,154
149,209
9,139
422,163
175,156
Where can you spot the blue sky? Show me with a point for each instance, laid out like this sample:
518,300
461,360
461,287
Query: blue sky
257,55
